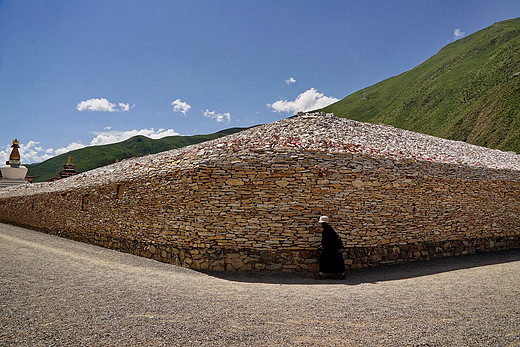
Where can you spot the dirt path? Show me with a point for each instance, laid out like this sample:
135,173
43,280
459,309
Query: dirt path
57,292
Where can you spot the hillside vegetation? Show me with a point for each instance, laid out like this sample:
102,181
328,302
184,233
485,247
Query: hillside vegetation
468,91
89,158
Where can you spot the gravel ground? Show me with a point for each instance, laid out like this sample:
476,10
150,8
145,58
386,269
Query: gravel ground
57,292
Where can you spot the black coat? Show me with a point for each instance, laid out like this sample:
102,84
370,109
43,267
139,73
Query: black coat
331,259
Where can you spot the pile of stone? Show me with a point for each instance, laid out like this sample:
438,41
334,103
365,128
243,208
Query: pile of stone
305,132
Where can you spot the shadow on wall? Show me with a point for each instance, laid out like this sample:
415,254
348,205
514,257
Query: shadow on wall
396,271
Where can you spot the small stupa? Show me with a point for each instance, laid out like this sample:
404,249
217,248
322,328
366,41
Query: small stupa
13,173
69,169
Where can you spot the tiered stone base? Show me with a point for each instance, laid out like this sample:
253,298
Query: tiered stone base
7,182
292,261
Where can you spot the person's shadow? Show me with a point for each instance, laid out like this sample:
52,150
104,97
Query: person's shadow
388,272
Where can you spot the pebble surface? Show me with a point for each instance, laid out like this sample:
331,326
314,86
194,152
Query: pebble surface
58,292
306,132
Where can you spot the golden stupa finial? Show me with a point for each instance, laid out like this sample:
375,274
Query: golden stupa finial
15,155
69,161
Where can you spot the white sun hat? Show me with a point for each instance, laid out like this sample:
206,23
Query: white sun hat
323,219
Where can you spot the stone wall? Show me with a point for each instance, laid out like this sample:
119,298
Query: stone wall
258,211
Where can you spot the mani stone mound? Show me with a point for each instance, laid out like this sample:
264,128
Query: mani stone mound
315,132
250,201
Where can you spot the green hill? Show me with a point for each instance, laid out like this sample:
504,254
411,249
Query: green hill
468,91
89,158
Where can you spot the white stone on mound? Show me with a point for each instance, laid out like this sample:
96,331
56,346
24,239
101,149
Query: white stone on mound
307,132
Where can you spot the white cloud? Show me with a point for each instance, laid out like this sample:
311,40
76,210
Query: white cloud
124,107
101,105
32,152
4,156
307,101
219,117
290,80
71,146
457,34
107,137
180,106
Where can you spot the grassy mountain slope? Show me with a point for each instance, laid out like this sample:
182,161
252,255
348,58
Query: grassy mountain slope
89,158
468,91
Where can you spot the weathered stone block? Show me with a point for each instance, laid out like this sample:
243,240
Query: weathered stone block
235,182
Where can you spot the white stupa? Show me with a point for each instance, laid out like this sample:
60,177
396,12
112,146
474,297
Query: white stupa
13,173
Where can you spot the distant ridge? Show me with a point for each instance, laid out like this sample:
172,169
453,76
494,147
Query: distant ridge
468,91
92,157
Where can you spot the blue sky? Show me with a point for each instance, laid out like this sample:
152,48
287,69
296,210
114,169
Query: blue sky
78,73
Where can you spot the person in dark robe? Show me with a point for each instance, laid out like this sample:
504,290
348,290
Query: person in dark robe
331,259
